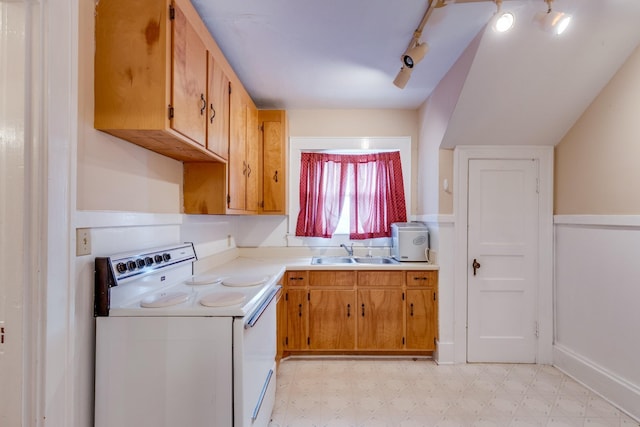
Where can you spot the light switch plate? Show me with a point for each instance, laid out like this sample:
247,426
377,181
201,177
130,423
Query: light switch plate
83,241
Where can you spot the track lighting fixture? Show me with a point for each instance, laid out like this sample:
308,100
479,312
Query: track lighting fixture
502,21
552,21
403,77
414,52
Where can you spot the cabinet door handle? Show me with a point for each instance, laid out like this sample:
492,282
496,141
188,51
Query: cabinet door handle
300,310
411,309
248,170
362,310
275,176
204,104
348,310
213,113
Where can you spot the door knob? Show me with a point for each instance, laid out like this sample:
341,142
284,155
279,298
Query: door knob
475,265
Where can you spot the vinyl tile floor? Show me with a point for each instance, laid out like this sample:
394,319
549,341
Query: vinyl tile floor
368,392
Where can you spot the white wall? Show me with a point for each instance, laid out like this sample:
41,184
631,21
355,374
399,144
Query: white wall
597,294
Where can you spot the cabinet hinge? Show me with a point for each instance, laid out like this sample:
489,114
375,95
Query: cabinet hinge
172,12
228,199
402,340
308,296
403,299
434,341
229,88
286,340
308,341
170,112
434,296
286,296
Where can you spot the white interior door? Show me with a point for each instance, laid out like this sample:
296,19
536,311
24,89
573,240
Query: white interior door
502,243
12,212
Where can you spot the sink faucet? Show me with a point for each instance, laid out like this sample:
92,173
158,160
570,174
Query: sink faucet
348,249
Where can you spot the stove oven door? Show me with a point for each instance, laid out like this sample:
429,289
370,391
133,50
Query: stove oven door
254,373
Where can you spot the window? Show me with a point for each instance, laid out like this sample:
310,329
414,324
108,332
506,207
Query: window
370,185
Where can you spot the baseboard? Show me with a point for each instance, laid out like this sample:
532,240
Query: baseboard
444,354
616,390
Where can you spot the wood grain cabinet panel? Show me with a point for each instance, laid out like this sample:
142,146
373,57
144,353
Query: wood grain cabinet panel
297,319
273,124
360,312
421,319
332,278
218,109
381,278
151,76
332,324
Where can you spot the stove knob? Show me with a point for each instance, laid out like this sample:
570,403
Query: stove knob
166,257
131,265
158,259
148,261
140,263
121,267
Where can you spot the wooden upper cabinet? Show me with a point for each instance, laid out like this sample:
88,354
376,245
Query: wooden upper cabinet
273,124
151,76
244,168
252,156
189,76
218,110
237,152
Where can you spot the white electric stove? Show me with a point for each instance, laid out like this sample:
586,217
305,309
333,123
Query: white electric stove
177,349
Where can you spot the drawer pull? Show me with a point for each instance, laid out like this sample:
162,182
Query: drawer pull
419,278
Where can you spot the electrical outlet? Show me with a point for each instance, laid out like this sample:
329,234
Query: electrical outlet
83,241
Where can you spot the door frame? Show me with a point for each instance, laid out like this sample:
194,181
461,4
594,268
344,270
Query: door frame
544,155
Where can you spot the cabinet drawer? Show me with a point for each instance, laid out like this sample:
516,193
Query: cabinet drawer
380,278
297,278
422,278
332,278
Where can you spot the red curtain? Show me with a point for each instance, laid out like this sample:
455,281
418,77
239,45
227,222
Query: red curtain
377,199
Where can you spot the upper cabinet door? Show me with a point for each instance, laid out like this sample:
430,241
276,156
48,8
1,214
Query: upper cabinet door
237,152
218,111
189,80
253,163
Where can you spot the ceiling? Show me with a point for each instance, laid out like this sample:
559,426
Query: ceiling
302,54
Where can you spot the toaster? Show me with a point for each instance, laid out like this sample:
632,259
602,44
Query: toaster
409,241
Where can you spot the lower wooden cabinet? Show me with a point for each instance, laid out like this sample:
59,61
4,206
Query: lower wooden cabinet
351,311
332,320
380,319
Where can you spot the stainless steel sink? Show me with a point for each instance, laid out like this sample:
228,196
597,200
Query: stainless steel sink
376,260
332,260
352,260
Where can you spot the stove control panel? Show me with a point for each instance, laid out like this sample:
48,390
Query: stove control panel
136,264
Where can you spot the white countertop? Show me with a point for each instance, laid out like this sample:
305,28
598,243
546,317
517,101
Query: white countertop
282,259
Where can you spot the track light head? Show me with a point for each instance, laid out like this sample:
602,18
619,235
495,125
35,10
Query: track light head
403,77
414,54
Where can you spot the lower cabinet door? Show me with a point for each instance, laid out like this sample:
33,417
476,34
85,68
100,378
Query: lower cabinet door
332,324
297,319
380,319
421,319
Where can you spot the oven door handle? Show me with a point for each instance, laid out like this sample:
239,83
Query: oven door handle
256,410
258,313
